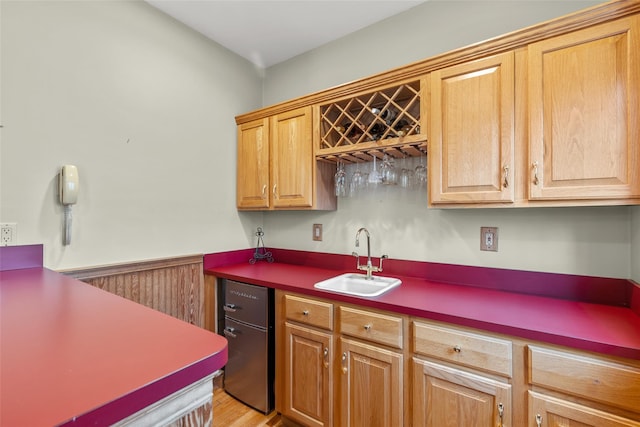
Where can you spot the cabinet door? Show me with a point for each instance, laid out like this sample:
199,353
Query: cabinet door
584,108
308,376
472,132
253,165
292,159
371,385
445,396
547,411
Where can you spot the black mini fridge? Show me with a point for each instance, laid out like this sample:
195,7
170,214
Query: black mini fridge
249,328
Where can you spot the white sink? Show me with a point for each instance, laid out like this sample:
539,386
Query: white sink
357,284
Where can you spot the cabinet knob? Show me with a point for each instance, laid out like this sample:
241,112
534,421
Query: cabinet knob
367,327
457,349
305,313
538,420
505,182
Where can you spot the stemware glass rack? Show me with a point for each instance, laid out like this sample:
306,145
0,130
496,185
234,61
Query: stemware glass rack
386,121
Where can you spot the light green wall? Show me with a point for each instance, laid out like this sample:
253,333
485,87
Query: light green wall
144,107
591,241
434,27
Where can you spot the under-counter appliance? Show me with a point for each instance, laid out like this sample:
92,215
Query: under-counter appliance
248,326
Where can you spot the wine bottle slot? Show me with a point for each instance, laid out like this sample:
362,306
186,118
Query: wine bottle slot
388,114
352,131
376,131
402,128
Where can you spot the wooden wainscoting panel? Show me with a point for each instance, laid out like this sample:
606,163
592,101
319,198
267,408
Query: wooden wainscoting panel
210,321
172,286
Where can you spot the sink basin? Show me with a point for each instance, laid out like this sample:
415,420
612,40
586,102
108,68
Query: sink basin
357,284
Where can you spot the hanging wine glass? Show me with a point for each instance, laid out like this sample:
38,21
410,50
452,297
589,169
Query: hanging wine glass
407,178
374,175
357,182
421,173
388,170
340,179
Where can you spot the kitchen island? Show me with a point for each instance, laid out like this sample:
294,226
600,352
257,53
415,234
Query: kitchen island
72,354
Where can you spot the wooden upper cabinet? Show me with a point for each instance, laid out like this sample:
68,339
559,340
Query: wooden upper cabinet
253,164
583,108
292,159
276,165
471,145
544,116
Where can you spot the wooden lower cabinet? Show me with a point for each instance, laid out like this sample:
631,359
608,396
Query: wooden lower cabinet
371,385
577,389
308,376
549,411
365,367
446,396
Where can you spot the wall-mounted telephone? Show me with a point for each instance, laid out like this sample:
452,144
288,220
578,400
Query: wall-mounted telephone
68,185
68,194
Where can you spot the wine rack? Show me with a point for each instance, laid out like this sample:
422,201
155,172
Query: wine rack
385,121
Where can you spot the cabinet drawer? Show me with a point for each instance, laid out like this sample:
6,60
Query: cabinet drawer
580,375
370,326
465,348
309,312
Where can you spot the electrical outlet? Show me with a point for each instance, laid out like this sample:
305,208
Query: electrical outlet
489,239
8,234
317,232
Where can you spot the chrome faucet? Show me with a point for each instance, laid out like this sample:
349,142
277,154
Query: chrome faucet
369,268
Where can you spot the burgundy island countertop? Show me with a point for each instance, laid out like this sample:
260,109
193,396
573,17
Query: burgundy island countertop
72,354
589,313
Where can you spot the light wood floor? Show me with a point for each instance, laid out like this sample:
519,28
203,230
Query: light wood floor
229,412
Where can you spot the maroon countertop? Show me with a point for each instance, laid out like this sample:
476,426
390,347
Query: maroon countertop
73,354
593,314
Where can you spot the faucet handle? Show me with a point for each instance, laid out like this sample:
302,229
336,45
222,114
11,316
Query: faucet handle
355,254
382,258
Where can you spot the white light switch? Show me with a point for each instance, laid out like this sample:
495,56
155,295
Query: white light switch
317,232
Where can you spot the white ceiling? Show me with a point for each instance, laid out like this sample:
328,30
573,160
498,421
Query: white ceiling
267,32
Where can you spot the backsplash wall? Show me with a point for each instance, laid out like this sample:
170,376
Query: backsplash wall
635,244
591,241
